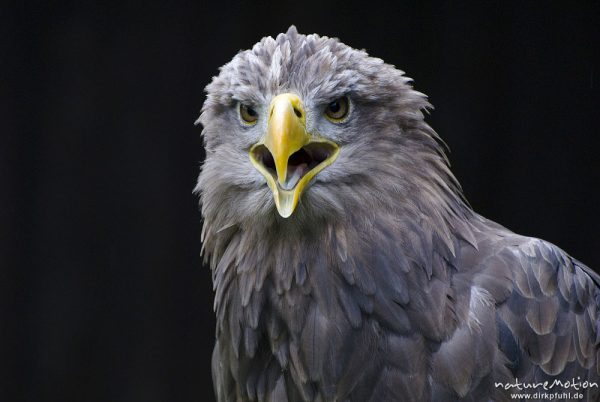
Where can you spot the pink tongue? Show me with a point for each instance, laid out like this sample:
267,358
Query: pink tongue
294,174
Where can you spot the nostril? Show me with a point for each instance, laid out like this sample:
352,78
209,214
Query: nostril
297,112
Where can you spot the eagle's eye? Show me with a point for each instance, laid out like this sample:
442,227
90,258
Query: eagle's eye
337,110
248,114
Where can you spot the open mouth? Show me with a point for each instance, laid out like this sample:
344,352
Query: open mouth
300,163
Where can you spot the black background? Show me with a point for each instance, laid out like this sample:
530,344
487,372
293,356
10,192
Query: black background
104,297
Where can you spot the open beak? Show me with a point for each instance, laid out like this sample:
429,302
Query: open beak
288,156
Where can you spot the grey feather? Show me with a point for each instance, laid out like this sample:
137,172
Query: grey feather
384,284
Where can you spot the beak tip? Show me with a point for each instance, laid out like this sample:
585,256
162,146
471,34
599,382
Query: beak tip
285,211
285,215
286,203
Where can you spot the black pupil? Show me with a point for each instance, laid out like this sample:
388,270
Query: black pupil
334,107
251,112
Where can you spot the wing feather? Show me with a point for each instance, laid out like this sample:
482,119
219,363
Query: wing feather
552,313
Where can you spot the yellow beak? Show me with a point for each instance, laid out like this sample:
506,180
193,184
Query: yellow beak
288,157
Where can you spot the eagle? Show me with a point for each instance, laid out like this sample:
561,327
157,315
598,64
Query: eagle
347,264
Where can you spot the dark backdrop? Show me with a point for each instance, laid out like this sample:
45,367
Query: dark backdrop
104,297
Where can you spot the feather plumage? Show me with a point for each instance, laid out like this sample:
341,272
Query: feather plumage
384,284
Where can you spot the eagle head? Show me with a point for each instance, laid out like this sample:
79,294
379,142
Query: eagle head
303,129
